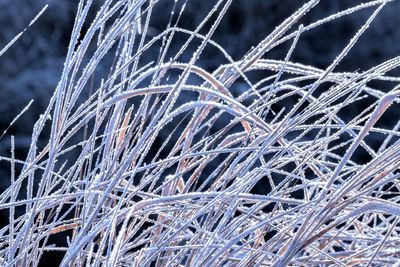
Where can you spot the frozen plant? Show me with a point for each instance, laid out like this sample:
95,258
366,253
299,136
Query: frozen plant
153,160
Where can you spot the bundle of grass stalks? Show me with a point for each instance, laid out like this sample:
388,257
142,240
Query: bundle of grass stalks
153,160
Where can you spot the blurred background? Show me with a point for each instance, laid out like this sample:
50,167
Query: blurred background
31,68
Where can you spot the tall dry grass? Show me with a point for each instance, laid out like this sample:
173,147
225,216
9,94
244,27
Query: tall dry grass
158,163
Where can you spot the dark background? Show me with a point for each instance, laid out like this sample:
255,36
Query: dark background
31,68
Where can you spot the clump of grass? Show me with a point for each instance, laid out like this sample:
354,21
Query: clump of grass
153,160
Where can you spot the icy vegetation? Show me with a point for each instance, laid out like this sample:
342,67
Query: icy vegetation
145,157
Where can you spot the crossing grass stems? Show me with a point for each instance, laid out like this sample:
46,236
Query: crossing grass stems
126,198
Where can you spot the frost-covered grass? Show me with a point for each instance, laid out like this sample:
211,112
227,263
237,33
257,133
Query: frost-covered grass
162,163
